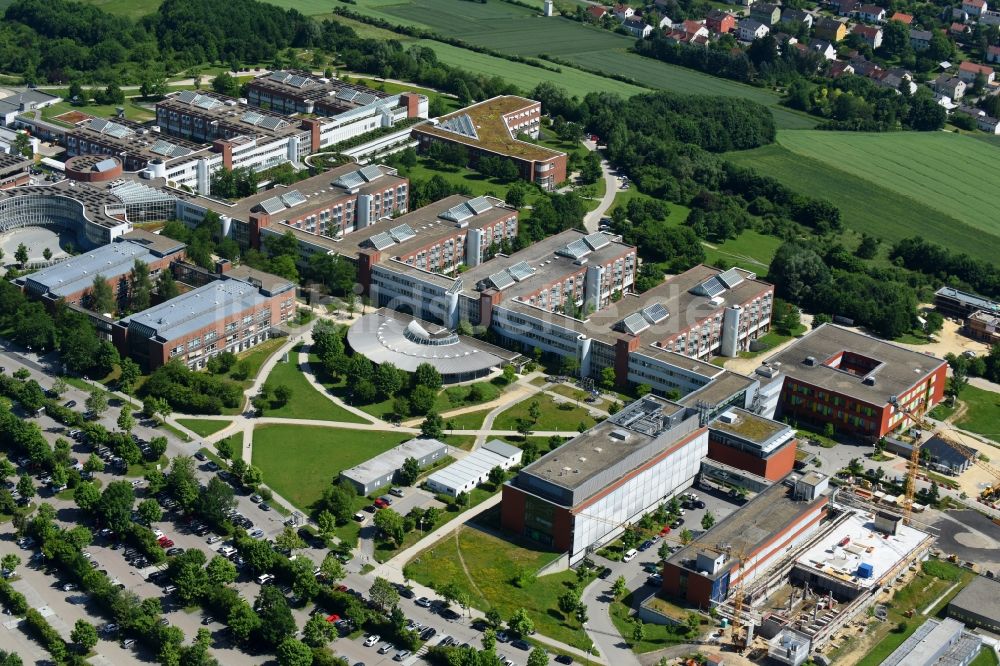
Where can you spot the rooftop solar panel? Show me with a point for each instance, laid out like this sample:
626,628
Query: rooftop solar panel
118,131
730,278
293,198
350,180
711,287
298,81
521,271
461,124
502,280
655,313
457,213
205,102
575,250
279,76
272,205
186,96
370,172
403,232
163,148
635,323
364,98
381,241
251,117
346,94
596,241
98,125
480,205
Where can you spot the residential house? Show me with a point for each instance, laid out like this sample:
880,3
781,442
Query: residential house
720,22
597,11
974,8
751,29
845,7
797,17
920,40
866,68
896,79
695,28
958,30
829,29
971,111
905,19
967,71
870,33
636,27
952,86
665,23
840,67
988,124
993,54
689,32
623,12
824,48
766,13
871,13
990,18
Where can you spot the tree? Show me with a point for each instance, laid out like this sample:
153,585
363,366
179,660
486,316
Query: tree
538,657
150,511
708,520
493,618
225,84
388,379
157,447
422,398
568,601
318,632
47,254
390,525
22,146
276,621
101,297
86,495
97,402
220,571
215,500
21,254
126,422
130,373
427,375
140,286
686,536
9,563
166,286
638,632
956,384
520,623
181,481
489,640
934,322
115,505
332,569
497,476
242,621
289,540
432,426
383,594
189,575
84,634
619,588
282,394
409,471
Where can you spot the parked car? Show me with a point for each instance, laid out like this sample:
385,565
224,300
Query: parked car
423,602
604,575
564,659
200,456
372,640
385,648
521,644
128,643
70,404
397,492
630,555
401,655
428,633
264,506
256,499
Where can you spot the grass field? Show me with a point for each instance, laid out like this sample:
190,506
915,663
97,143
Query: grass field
468,420
306,402
865,204
132,111
133,9
299,462
552,417
983,416
947,172
750,250
485,567
203,427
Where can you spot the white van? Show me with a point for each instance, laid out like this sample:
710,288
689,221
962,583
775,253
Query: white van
630,555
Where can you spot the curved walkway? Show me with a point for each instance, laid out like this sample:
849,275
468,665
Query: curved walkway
592,219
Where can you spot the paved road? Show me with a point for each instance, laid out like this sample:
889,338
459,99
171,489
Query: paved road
611,187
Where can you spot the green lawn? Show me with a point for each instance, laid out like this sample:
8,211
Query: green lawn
203,427
468,420
750,250
986,657
552,417
299,462
983,415
306,401
458,396
867,203
256,357
490,566
132,110
477,183
655,636
134,9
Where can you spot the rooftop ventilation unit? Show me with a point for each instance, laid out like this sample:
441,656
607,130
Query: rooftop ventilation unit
810,360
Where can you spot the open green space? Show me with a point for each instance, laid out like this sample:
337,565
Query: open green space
866,204
306,402
133,9
986,657
486,567
750,250
256,357
552,416
950,173
203,427
655,636
983,413
467,420
132,110
300,462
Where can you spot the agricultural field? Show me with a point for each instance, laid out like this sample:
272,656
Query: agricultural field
947,172
866,202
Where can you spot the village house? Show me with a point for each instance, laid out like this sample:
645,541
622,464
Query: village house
974,8
967,71
988,124
952,86
871,34
751,29
871,13
720,22
597,11
824,48
765,13
829,29
840,67
623,12
993,54
797,17
905,19
636,27
920,40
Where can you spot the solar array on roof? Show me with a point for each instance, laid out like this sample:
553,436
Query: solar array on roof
186,96
131,192
370,172
575,250
207,103
350,180
346,94
655,313
521,271
293,198
457,213
168,149
272,205
730,278
110,128
635,323
364,98
272,123
461,124
596,241
278,76
381,241
251,117
479,205
298,81
711,287
502,280
105,165
403,232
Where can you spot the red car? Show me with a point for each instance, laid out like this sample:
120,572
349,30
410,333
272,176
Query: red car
665,531
381,503
165,543
332,618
